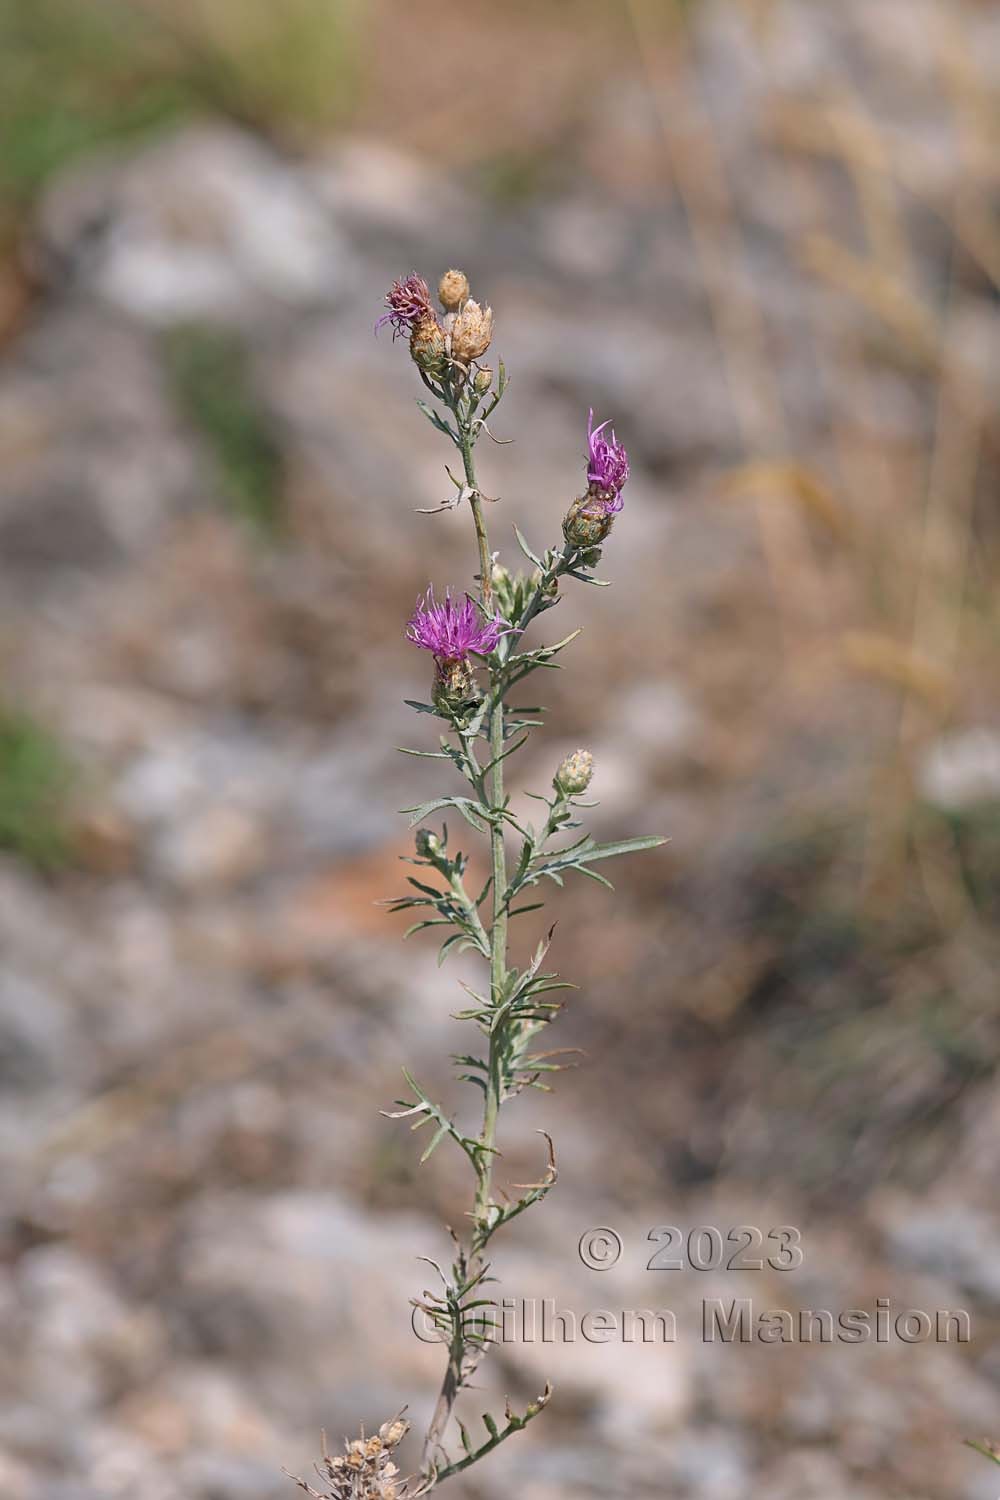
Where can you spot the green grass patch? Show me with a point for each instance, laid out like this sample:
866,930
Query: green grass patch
35,776
209,370
79,74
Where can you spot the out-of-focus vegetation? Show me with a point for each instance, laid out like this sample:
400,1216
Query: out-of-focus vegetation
212,383
34,782
75,74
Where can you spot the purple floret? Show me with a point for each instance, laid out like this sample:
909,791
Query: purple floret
408,302
607,466
452,630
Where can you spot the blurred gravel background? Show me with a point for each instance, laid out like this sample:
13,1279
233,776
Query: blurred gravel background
762,237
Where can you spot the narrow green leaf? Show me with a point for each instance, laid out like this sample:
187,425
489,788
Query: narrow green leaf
464,805
622,846
436,1140
436,420
419,926
527,551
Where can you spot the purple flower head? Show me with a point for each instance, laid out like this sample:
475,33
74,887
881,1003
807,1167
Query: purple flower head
408,302
607,464
452,630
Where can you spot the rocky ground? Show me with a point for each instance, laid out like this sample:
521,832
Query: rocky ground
209,543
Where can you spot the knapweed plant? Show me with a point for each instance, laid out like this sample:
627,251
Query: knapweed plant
482,658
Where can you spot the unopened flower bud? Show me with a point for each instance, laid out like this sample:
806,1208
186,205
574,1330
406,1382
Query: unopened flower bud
549,586
427,346
453,290
505,590
454,684
471,332
483,381
587,522
573,775
427,844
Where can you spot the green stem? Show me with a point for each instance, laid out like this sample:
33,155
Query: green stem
454,1375
479,521
498,955
469,907
565,560
498,930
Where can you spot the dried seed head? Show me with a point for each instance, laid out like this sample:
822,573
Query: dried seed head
588,521
573,775
427,346
483,380
392,1433
453,290
365,1471
471,332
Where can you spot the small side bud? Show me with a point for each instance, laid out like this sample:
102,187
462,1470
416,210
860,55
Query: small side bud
471,332
548,586
483,381
427,844
505,590
453,290
573,775
587,522
427,346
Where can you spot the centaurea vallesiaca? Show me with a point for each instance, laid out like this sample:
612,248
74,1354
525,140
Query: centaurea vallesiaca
607,467
409,310
453,631
408,302
481,729
588,521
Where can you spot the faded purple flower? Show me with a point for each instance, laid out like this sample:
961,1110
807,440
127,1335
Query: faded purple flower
452,630
607,465
409,303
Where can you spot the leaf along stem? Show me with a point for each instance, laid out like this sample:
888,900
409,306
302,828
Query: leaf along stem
457,1371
